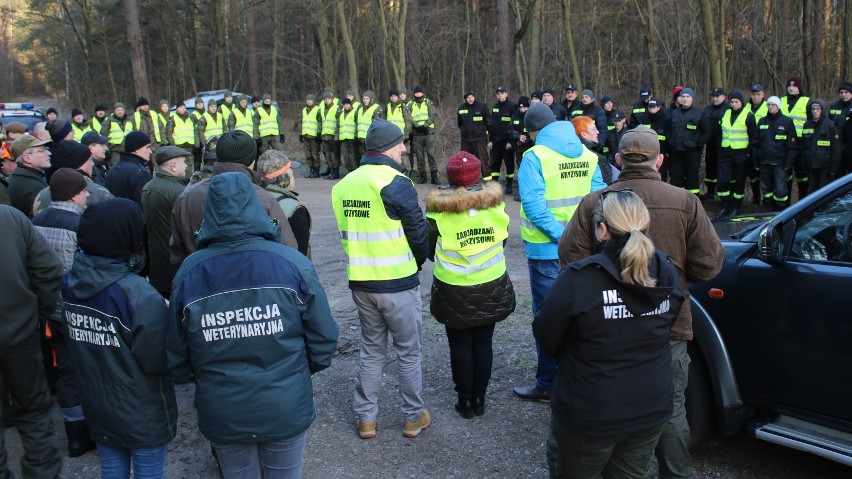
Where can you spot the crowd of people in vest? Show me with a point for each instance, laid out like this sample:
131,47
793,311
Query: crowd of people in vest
201,272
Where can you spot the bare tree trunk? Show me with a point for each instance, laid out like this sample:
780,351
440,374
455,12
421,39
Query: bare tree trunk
846,53
569,37
220,50
324,40
722,43
401,33
347,43
251,39
137,58
506,74
414,40
713,55
809,63
651,42
520,70
535,45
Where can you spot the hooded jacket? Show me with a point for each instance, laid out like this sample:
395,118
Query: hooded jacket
560,137
251,320
611,341
464,307
821,142
115,329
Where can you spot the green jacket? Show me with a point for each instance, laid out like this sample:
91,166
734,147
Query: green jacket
24,185
158,199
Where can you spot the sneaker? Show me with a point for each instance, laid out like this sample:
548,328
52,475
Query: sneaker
367,430
532,393
413,429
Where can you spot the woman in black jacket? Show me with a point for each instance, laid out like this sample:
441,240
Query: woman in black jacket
471,291
607,321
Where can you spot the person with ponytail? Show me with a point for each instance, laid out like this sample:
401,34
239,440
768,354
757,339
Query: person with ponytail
607,320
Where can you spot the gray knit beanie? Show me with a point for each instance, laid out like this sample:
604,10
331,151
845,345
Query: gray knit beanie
588,92
538,116
382,135
236,146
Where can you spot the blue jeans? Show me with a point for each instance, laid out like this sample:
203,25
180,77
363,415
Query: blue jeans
147,463
269,460
542,274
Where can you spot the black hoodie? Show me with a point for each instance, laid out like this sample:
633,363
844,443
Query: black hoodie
611,341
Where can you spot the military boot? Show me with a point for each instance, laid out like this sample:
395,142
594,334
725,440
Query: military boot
313,173
509,189
435,180
334,174
422,179
79,441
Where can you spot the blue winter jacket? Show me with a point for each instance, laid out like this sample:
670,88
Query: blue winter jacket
250,320
560,137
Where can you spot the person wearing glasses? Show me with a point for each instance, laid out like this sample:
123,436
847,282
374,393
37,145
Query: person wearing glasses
28,178
607,320
678,225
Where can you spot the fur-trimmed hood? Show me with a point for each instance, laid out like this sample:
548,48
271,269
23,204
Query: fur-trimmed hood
458,200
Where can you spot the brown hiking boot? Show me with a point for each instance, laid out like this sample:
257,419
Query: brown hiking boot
367,430
412,429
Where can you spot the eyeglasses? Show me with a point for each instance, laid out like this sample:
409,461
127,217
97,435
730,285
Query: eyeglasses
42,150
609,192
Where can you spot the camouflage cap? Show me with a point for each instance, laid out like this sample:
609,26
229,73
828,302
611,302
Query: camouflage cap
639,145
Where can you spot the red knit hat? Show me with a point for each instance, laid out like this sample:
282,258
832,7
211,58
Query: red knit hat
463,169
794,81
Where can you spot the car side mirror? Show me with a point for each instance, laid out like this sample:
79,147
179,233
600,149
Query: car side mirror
770,243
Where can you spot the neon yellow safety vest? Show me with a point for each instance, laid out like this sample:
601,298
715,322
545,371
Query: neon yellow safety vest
734,136
196,115
798,114
420,113
244,121
184,131
79,132
762,110
310,125
117,132
213,126
365,118
268,121
137,124
470,248
226,111
347,125
96,125
329,122
396,117
566,182
375,245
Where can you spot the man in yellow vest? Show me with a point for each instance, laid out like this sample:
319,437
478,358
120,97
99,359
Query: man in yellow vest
116,127
345,135
79,125
163,118
145,120
98,119
329,112
398,114
199,110
757,106
242,117
309,127
270,125
555,175
182,133
385,241
366,113
739,132
795,106
212,122
227,107
423,136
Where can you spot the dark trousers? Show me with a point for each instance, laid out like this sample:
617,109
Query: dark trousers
800,171
479,148
331,152
711,165
732,175
471,357
625,456
773,182
312,151
424,149
349,154
754,180
22,378
684,169
66,381
665,167
500,156
819,177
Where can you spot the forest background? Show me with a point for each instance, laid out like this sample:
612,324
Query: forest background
100,51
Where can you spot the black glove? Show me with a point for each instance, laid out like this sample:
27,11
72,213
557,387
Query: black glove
281,138
301,138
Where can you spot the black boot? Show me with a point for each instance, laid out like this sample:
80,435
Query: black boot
79,441
723,213
313,173
326,172
334,174
711,192
422,179
755,192
435,180
479,405
509,189
465,408
734,207
804,187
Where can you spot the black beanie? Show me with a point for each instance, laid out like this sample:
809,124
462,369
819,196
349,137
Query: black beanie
75,112
51,110
100,107
66,184
135,140
68,154
142,101
417,89
524,101
845,86
58,129
736,96
236,146
111,228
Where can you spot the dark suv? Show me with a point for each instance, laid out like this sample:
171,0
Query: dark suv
773,331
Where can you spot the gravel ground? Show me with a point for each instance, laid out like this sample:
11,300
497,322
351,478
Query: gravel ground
507,442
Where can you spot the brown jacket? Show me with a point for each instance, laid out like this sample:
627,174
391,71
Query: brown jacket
189,210
679,227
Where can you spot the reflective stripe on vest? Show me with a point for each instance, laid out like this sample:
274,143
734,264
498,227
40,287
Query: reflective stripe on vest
184,132
329,122
310,126
243,121
117,132
347,125
420,114
213,126
375,245
823,142
79,132
365,117
566,182
469,250
137,120
734,136
396,117
799,113
267,121
762,110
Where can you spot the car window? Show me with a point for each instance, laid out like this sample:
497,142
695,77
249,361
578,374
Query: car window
824,235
